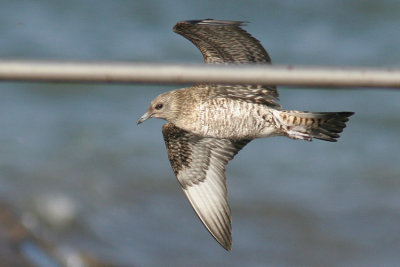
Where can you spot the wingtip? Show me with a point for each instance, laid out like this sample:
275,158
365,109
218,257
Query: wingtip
215,22
218,223
224,241
227,246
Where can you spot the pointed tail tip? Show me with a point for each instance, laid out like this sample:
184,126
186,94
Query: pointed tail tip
346,113
333,125
324,126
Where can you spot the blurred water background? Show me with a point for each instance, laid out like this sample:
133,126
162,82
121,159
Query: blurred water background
78,169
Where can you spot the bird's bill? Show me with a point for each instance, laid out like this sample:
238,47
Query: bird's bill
145,116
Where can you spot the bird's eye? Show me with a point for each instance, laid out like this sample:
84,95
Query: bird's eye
159,106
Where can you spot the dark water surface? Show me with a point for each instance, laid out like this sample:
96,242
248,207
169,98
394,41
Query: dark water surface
73,161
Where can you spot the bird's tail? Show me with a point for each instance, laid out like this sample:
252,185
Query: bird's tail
308,125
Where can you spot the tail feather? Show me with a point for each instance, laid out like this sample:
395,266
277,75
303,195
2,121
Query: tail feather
308,125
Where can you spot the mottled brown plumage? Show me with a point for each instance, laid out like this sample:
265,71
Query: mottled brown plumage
222,42
199,164
208,124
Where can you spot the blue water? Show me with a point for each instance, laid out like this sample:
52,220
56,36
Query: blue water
73,161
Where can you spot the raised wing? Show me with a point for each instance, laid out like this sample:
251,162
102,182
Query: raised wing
222,41
199,164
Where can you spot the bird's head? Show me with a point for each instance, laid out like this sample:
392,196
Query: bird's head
163,106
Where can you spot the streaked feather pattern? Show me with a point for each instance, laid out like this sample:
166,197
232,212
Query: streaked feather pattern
226,42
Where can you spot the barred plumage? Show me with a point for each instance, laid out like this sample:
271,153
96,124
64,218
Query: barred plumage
208,124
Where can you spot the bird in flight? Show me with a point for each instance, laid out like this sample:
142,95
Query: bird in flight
207,124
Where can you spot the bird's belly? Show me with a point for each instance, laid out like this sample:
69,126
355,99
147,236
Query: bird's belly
231,119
